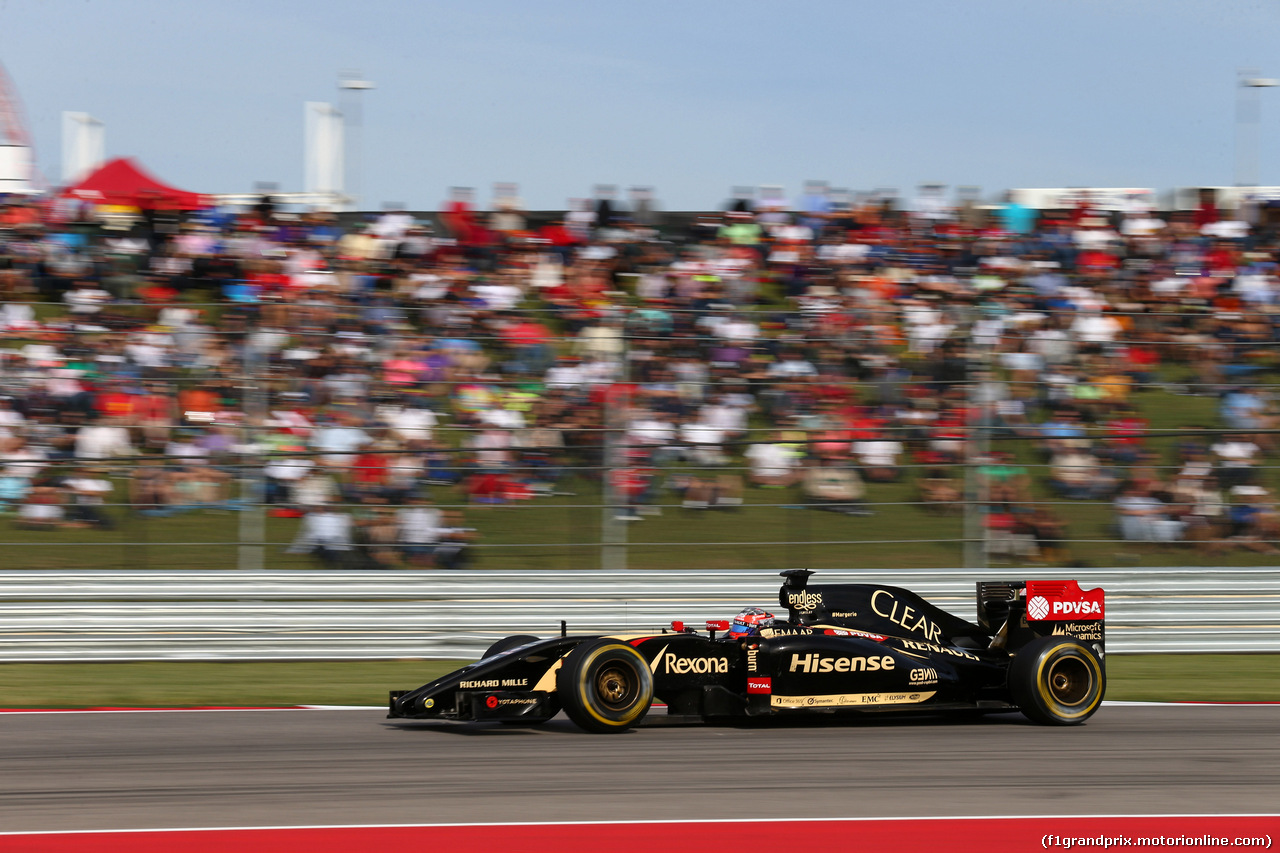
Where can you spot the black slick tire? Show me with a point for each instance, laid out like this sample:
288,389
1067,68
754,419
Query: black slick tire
1057,681
605,686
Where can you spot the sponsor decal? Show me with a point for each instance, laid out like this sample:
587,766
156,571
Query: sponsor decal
847,700
494,682
491,702
670,662
784,632
885,604
805,601
918,646
533,700
850,632
814,662
760,685
843,614
1062,601
753,659
430,703
1075,608
922,675
1081,630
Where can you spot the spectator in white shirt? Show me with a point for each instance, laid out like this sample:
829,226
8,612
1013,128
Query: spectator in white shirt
325,533
419,526
283,472
1094,327
339,440
89,490
652,431
1237,457
86,299
313,490
774,463
10,417
879,459
703,443
791,366
102,440
412,423
20,460
730,419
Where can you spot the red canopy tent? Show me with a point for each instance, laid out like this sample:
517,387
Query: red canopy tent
123,182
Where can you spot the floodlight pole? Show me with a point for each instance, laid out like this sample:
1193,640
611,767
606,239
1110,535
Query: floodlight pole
351,85
1247,125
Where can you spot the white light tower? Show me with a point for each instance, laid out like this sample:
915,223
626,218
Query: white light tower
1247,129
352,84
323,152
83,146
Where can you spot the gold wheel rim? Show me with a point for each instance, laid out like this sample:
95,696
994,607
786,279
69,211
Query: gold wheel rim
613,685
1070,681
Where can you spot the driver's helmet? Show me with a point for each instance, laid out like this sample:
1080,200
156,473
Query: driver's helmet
749,621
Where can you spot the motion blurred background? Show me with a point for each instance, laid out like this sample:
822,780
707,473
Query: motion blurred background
429,288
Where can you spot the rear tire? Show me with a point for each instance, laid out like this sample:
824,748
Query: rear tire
605,686
1057,681
509,643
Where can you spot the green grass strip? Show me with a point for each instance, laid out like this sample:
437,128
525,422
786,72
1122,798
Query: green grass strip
164,684
159,684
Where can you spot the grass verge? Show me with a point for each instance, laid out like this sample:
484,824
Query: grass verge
163,684
1226,678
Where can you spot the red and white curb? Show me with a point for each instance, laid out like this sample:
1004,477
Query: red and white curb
955,834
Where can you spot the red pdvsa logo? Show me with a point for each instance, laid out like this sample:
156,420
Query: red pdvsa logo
759,685
852,632
1049,601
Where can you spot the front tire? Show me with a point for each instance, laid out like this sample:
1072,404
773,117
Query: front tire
605,686
1057,681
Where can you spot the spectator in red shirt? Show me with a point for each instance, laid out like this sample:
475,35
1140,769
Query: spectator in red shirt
369,470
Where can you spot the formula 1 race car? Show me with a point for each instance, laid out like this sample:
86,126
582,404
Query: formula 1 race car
1037,647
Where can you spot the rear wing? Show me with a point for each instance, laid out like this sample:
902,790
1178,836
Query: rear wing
1019,611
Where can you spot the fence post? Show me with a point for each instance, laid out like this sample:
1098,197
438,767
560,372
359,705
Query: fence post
977,445
251,552
613,531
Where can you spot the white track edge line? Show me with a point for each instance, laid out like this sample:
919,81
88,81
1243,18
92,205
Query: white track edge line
725,821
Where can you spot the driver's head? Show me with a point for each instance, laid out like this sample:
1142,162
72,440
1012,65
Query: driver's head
749,621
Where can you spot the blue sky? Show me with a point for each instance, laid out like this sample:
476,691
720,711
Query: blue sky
690,97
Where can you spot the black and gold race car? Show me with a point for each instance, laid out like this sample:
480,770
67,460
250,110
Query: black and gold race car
1037,647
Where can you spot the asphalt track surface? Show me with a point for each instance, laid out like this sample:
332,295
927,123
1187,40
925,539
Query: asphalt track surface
68,771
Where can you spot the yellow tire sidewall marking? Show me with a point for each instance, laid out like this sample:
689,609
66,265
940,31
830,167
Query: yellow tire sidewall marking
587,692
1042,685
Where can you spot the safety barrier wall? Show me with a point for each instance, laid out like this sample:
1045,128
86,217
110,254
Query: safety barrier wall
297,615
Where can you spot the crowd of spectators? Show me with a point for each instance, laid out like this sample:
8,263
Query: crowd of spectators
817,349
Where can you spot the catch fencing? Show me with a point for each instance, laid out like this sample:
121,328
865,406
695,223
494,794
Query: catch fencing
316,615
